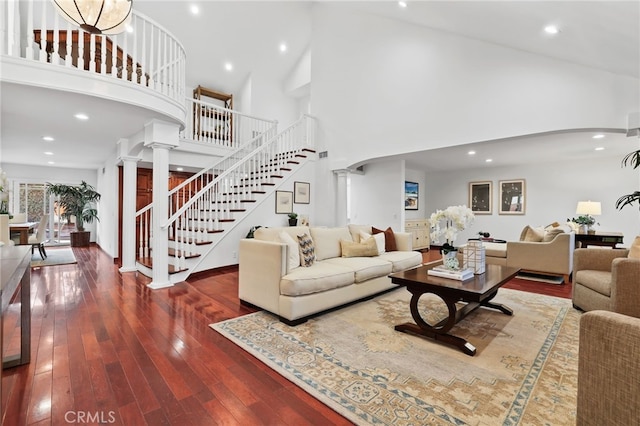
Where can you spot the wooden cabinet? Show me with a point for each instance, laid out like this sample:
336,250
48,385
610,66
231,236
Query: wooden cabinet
420,232
212,123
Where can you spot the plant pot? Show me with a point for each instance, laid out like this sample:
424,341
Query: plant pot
450,259
293,222
80,238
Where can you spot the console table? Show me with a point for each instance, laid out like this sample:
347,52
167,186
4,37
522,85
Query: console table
608,239
15,272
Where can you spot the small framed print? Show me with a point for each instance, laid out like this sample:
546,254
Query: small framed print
411,195
512,196
480,194
284,202
301,192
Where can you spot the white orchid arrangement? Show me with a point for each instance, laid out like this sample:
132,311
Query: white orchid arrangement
447,223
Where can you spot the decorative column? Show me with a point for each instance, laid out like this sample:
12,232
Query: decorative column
341,197
161,137
129,186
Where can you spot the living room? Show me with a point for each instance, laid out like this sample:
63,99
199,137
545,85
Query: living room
149,355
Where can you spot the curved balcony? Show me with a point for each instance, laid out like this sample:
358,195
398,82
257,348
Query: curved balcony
144,66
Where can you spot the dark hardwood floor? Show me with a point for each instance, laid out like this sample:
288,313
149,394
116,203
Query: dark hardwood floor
106,349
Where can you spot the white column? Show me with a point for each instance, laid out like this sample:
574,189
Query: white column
161,137
341,197
129,187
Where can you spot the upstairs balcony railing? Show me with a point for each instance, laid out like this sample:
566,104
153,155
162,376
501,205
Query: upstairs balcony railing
145,54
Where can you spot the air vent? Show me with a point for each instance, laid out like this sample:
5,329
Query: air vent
323,154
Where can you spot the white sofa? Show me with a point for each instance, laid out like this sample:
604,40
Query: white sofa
267,278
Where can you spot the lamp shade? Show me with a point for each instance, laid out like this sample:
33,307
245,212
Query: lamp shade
592,208
96,16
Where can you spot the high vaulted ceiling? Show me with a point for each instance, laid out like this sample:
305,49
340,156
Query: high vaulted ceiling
599,34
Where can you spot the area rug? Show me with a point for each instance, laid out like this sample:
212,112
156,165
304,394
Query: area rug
58,256
352,359
550,279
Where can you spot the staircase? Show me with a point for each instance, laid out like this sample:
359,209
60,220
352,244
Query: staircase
203,209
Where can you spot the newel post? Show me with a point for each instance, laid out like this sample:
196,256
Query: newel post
129,178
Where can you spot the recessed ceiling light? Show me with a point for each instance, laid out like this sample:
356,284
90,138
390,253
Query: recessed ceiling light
402,3
551,29
598,136
47,138
129,28
283,47
48,153
488,160
179,169
81,116
195,10
51,162
471,153
600,148
228,66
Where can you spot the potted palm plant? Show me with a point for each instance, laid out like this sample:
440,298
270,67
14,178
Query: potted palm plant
78,201
631,159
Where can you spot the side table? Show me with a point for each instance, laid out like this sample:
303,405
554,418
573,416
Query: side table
607,239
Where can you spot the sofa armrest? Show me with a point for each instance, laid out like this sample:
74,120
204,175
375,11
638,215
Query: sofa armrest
404,241
261,266
596,259
608,369
554,256
625,286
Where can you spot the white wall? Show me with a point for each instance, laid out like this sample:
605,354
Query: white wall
382,87
377,196
552,192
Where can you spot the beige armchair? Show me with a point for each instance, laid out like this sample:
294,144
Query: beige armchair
608,370
606,280
553,257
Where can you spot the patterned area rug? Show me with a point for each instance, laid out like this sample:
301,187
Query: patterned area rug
524,372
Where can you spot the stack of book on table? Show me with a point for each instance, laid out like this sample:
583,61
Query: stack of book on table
454,274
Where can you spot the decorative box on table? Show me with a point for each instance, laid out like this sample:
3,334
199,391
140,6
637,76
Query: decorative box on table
474,256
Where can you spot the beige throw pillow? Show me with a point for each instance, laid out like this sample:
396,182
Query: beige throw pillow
530,234
379,239
293,251
367,248
634,250
551,234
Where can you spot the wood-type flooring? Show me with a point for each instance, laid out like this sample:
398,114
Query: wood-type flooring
105,349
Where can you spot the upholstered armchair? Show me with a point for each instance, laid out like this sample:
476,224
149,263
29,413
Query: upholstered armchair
608,369
607,280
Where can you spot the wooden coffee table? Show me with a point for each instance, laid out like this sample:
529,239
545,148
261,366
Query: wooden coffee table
477,291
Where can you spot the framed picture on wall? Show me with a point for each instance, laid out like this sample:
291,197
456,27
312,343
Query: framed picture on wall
480,194
284,202
512,196
410,195
301,192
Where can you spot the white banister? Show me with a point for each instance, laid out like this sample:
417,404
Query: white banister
148,55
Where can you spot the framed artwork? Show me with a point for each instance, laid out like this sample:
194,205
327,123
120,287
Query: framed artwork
480,194
301,192
410,195
284,202
512,196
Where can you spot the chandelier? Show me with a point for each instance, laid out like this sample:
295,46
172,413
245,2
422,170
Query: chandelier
96,16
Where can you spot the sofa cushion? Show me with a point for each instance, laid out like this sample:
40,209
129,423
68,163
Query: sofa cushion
378,238
293,251
327,241
365,268
532,234
402,260
321,276
634,250
550,234
307,250
356,229
273,234
598,281
367,248
389,238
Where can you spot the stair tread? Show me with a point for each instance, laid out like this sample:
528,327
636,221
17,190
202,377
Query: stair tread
148,262
176,253
190,241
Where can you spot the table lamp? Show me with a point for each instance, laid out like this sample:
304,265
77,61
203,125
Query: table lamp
589,209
